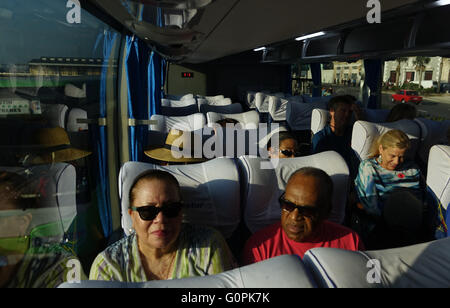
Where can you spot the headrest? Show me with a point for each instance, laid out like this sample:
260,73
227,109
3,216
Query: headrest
185,123
73,91
226,109
57,197
179,111
263,186
210,198
262,102
319,119
181,103
211,98
365,134
214,102
438,176
180,97
286,271
298,115
436,134
249,119
277,108
423,265
250,99
55,114
74,115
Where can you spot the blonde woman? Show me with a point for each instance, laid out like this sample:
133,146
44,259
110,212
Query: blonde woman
385,172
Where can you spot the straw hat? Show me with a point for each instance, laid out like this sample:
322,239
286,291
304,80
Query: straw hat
54,146
178,147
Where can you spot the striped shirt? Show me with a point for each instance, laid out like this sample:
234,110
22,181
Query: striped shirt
201,251
374,183
47,266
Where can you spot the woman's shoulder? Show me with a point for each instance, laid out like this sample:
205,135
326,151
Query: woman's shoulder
120,248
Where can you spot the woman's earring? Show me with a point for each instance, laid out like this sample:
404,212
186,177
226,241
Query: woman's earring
380,159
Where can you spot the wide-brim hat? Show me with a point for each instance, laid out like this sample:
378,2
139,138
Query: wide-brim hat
178,148
53,146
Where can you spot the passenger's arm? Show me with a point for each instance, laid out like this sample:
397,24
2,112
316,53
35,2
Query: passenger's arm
103,269
221,257
366,189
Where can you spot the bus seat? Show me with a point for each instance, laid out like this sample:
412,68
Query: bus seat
185,123
180,97
210,198
55,114
320,117
179,111
56,187
436,134
249,119
263,186
277,108
365,134
74,115
181,103
286,271
262,102
438,182
298,115
422,265
214,102
250,99
211,99
226,109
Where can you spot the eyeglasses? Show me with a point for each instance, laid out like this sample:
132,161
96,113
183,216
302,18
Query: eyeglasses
288,152
303,210
150,212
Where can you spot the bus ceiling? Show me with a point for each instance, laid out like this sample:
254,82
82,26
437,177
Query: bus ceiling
197,31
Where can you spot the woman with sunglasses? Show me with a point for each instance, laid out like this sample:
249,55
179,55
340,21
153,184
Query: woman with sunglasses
162,247
305,206
287,148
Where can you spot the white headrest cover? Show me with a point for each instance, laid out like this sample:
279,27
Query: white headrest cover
298,115
319,119
438,176
262,102
263,187
249,119
181,103
286,271
423,265
185,123
251,99
74,115
215,102
365,134
210,198
55,114
277,108
436,134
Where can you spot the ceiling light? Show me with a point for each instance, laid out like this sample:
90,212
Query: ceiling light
259,49
310,36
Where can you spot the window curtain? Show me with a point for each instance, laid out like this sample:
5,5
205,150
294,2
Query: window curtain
101,147
316,73
373,80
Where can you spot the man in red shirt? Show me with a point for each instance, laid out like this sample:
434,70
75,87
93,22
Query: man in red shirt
305,205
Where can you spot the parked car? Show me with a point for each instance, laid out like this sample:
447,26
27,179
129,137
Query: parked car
445,88
407,96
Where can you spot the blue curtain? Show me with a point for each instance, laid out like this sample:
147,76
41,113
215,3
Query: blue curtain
101,148
373,80
316,73
137,61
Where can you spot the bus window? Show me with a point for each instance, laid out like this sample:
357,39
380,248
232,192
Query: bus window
56,62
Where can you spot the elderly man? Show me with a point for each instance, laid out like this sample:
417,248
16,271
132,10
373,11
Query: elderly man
305,206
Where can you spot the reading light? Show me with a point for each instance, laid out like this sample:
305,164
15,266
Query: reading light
311,35
259,49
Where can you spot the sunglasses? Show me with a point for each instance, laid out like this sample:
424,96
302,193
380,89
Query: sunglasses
303,210
150,212
288,152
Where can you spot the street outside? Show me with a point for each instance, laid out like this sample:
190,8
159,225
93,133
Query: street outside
436,106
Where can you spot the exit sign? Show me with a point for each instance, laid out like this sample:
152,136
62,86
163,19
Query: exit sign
187,75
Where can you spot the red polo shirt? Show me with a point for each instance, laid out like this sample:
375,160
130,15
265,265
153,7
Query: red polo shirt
273,241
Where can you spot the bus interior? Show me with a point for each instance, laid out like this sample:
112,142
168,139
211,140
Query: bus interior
86,87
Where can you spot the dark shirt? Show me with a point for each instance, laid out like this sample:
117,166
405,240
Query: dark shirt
326,140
